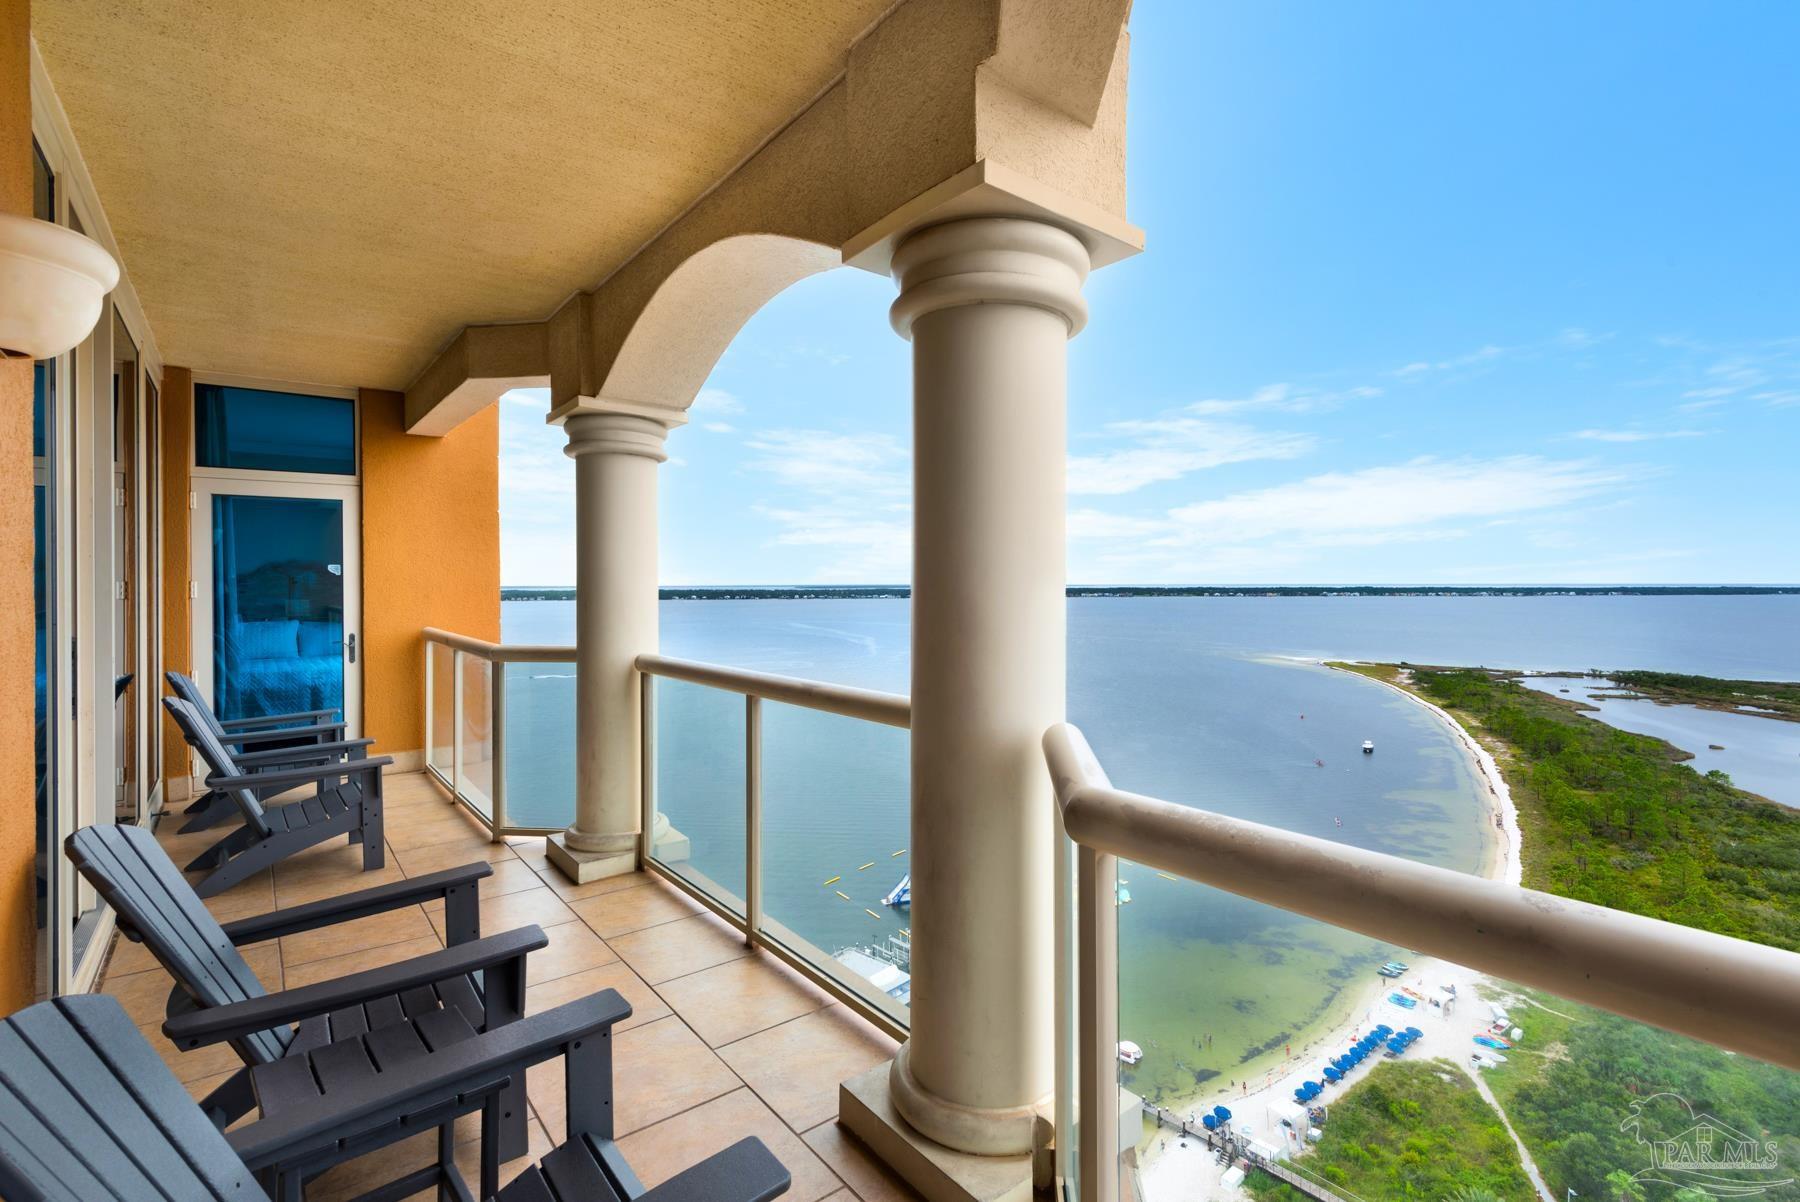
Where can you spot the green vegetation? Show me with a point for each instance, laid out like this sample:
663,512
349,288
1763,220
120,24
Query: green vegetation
1572,1088
1612,818
1411,1129
1709,692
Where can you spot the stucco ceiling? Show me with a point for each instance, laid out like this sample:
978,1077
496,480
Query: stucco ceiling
327,191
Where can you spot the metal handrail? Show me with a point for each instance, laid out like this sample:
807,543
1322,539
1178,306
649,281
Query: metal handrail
1738,995
500,653
746,913
460,646
889,709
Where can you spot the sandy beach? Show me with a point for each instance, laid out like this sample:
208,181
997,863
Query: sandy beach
1171,1172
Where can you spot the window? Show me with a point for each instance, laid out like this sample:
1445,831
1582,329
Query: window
257,430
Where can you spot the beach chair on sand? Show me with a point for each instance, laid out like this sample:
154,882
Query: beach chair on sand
88,1112
263,738
473,985
346,800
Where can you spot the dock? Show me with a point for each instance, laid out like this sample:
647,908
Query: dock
1222,1141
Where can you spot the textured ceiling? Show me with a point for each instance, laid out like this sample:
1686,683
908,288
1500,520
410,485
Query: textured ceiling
327,191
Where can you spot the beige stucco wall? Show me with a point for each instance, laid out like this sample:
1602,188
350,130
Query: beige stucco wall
431,554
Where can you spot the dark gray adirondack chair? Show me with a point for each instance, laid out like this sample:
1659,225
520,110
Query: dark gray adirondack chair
346,801
258,739
293,1040
89,1113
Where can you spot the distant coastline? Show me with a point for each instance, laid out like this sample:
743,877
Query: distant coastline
872,592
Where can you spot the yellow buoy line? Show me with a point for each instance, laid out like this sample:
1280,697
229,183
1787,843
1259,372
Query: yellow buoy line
898,854
834,880
1167,877
871,914
841,894
870,864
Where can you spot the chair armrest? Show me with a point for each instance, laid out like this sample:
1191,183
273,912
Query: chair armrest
290,777
218,1023
280,755
745,1172
249,738
291,920
472,1068
271,719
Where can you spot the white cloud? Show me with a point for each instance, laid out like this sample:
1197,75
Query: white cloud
1169,448
1635,435
718,427
716,400
1282,398
1391,502
824,461
855,506
1476,358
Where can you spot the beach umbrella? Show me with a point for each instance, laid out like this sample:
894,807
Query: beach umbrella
1222,1114
1414,1032
1333,1076
1208,1121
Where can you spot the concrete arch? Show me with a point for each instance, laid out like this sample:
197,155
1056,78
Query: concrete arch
678,336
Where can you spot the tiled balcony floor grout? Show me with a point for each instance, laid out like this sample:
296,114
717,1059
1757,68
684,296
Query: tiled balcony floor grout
783,1044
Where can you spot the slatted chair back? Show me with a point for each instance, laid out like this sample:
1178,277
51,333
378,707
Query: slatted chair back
126,867
190,692
88,1112
218,757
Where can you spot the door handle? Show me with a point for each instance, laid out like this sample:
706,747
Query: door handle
351,644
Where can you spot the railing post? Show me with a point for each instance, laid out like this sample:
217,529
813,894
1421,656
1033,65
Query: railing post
456,723
647,733
1067,1015
430,724
1097,1001
752,817
497,822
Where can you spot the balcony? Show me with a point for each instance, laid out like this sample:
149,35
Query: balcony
724,1040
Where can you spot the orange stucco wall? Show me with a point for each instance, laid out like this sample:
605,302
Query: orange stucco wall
18,814
430,554
177,417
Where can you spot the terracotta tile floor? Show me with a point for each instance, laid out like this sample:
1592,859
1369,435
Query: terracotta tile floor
722,1043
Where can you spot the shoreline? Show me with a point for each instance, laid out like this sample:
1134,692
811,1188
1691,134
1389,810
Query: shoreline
1164,1175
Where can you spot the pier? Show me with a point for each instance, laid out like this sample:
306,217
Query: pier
1224,1141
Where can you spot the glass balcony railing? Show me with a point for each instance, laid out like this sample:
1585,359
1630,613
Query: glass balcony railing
1469,1038
783,805
500,731
780,804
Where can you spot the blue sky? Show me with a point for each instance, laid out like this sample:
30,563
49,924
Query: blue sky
1434,293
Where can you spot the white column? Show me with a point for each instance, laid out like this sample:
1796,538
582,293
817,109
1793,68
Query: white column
616,457
989,304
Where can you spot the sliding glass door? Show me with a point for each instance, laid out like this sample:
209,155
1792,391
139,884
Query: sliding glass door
277,623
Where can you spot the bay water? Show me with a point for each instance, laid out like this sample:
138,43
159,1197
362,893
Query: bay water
1212,702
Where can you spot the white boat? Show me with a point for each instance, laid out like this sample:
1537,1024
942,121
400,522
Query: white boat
1368,746
1129,1053
901,895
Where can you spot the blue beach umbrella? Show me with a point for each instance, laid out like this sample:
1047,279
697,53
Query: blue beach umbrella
1210,1122
1222,1114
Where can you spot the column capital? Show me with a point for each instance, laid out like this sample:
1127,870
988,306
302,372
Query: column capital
610,432
990,260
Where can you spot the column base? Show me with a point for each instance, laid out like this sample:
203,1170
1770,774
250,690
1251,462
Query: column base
939,1173
584,866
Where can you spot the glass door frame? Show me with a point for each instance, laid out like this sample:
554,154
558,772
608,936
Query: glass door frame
211,482
80,574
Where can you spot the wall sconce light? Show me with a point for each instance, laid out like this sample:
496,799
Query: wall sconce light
52,281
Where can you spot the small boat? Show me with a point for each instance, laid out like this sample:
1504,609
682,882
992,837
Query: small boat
1391,969
901,894
1400,999
1129,1053
1368,746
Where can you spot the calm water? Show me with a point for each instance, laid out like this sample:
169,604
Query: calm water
1185,698
1760,754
